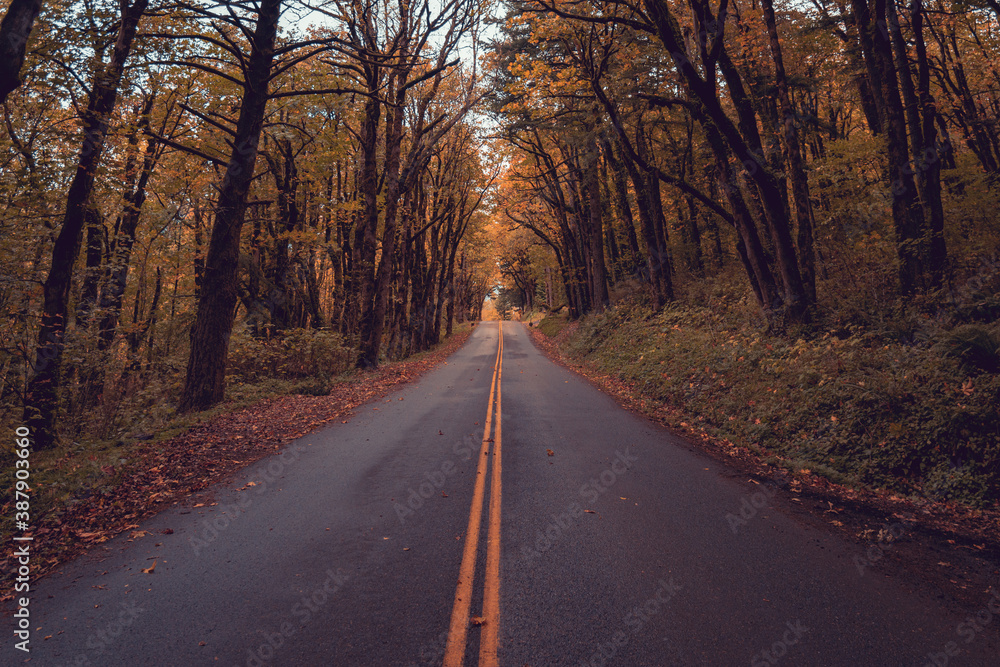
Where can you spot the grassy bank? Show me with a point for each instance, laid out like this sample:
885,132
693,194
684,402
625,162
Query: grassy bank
918,417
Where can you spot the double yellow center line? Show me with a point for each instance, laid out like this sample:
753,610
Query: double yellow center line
460,616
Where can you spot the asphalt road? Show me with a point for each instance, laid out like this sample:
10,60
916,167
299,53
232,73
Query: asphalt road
624,546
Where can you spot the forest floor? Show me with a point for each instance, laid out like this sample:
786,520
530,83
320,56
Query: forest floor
945,544
157,474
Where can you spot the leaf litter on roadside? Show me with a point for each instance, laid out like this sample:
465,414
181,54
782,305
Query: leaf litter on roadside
159,474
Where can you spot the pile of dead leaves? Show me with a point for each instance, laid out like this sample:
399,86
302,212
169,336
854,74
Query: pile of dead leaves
158,474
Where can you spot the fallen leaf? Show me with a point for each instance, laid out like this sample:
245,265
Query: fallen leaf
590,511
550,452
138,533
149,570
477,620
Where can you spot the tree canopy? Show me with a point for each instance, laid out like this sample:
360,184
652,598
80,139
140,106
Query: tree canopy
180,175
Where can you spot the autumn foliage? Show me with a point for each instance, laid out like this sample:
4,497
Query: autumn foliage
191,188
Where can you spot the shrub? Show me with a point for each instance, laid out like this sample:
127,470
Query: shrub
297,354
975,346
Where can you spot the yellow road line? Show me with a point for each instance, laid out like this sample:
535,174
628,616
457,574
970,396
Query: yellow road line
459,626
491,596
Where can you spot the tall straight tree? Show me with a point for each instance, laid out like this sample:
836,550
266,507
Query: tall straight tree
795,162
204,384
42,392
876,20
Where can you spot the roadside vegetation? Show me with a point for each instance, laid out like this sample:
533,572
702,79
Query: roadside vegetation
909,406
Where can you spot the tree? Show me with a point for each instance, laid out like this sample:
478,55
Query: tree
204,384
42,394
14,32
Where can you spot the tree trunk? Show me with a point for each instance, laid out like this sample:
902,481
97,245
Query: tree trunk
622,204
934,153
794,160
371,334
42,393
205,382
14,32
742,141
906,212
116,272
591,176
363,266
